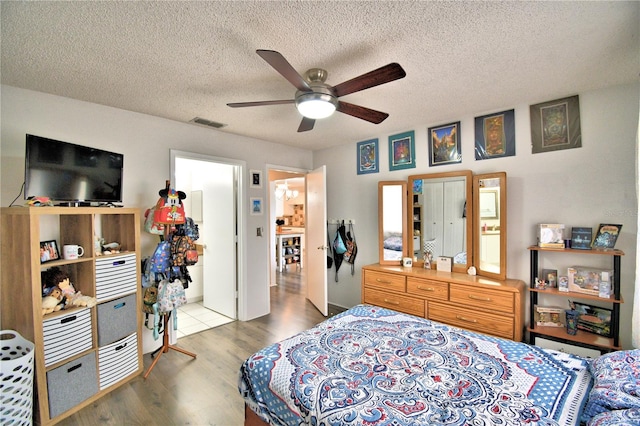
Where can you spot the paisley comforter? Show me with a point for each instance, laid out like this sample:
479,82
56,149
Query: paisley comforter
373,366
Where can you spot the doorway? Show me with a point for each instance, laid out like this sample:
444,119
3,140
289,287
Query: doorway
212,188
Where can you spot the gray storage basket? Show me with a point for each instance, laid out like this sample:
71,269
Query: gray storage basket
16,379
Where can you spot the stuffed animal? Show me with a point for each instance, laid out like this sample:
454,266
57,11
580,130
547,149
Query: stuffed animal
56,278
52,302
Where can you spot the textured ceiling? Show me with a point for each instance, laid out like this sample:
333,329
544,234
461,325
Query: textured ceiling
184,59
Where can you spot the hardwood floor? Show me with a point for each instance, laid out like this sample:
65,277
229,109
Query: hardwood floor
203,391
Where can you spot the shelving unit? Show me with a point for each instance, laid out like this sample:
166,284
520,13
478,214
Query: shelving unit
84,353
559,334
288,250
417,226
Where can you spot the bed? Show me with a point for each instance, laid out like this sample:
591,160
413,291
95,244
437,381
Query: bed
374,366
392,246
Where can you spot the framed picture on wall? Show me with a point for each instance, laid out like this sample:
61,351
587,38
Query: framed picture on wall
402,151
367,157
444,144
255,178
256,206
555,125
495,135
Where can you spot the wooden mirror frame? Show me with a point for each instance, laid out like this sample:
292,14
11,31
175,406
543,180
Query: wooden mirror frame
456,267
483,236
386,203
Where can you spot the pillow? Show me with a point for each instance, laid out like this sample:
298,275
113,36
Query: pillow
616,384
393,243
629,417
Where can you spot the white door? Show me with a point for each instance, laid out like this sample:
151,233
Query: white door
316,239
219,221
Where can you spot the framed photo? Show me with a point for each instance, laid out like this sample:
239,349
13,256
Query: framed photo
581,238
495,135
606,236
367,157
555,125
550,277
594,319
444,144
402,151
256,178
489,204
256,206
49,251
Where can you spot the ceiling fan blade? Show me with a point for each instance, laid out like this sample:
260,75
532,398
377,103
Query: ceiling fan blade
368,114
373,78
280,64
260,103
306,124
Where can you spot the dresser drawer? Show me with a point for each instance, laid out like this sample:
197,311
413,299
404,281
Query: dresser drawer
396,302
385,281
470,319
430,289
493,300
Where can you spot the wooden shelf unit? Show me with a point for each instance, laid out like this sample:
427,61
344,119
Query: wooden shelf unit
289,250
117,311
559,334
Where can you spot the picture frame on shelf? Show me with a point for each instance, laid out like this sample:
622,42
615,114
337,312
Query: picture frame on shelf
495,135
606,236
256,179
256,206
555,125
444,144
581,237
402,153
49,251
594,319
367,157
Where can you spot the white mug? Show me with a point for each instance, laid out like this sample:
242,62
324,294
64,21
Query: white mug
72,251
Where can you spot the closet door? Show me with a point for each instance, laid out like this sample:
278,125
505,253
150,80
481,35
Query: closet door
434,216
453,220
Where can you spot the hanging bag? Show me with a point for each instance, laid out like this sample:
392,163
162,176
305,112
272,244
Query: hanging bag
352,248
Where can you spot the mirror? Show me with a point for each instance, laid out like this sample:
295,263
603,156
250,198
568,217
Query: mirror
441,217
392,222
490,224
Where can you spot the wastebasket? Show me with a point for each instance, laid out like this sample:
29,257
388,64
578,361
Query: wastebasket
16,379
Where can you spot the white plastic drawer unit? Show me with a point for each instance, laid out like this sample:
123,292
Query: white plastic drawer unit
116,276
118,360
66,335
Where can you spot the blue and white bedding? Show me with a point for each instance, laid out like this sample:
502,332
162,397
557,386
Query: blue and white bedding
373,366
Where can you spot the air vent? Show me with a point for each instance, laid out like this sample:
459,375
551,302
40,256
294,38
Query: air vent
208,123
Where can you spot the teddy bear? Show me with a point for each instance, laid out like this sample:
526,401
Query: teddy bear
51,302
55,277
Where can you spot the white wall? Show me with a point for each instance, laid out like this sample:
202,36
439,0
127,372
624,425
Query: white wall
145,142
578,187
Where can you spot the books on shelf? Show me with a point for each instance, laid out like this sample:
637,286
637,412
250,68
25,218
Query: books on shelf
581,238
606,236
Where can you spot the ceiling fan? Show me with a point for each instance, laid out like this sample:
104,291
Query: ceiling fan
315,99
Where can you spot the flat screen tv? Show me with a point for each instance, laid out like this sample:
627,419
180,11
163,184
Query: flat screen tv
71,173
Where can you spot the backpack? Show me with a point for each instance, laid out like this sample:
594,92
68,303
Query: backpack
160,261
189,229
183,251
171,296
150,225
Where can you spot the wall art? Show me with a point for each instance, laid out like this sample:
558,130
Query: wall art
444,144
402,151
555,125
495,135
368,157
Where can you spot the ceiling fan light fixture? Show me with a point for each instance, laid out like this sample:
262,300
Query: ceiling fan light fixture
316,105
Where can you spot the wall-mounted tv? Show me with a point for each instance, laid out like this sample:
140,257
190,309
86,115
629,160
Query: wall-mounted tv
71,173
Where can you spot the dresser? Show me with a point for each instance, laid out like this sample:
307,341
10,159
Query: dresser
494,307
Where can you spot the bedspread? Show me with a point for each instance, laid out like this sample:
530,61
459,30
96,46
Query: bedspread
373,366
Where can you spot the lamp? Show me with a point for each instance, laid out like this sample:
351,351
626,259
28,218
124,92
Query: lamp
320,103
283,191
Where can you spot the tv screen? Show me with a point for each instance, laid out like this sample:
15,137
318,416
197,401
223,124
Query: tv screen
68,172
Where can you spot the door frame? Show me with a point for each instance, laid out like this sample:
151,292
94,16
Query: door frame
241,219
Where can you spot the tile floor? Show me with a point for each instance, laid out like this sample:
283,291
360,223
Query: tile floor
193,318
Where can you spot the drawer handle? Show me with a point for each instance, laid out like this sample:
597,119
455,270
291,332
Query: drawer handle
119,262
383,281
119,305
484,299
68,319
75,367
461,318
393,302
121,347
426,288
